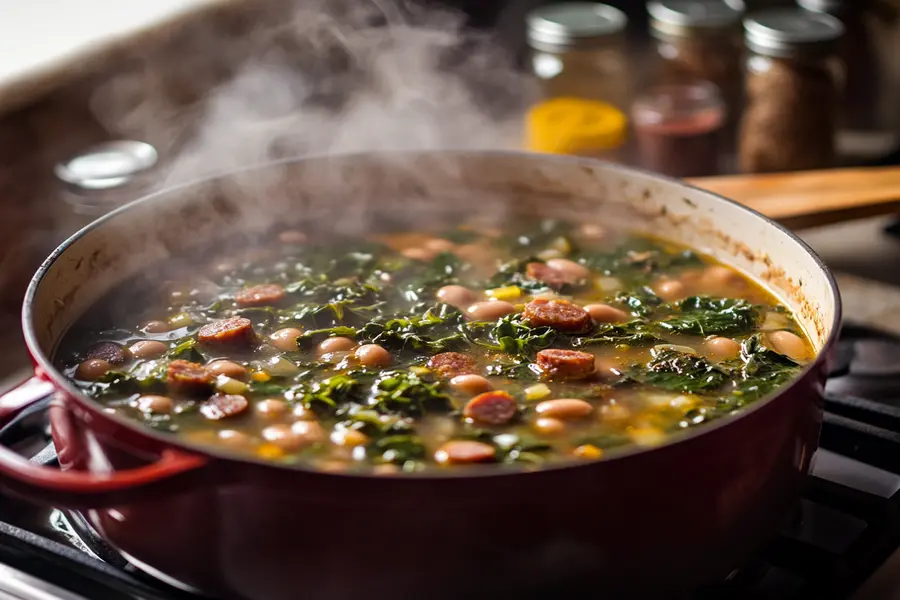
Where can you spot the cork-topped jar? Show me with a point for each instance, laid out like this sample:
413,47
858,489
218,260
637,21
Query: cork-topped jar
793,80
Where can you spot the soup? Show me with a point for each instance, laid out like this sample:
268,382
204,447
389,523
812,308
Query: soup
543,343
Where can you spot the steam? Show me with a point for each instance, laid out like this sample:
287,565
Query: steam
316,77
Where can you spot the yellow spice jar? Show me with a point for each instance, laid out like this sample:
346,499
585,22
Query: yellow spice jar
577,126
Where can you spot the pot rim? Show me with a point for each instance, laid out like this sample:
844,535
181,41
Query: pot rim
630,452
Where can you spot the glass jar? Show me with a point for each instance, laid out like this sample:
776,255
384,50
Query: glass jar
793,80
577,126
678,129
699,40
578,50
868,122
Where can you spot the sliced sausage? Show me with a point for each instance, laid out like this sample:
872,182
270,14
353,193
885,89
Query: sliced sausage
111,352
491,408
552,277
460,452
220,406
233,332
185,377
558,314
566,364
260,295
451,364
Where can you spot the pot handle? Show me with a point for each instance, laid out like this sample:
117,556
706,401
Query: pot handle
80,489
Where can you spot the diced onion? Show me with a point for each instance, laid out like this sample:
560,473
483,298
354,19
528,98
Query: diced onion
647,436
537,391
549,253
278,365
608,285
180,320
227,385
775,321
506,440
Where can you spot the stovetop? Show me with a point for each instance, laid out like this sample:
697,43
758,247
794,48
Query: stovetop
842,530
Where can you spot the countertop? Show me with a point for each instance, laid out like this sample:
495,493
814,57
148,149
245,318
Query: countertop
47,43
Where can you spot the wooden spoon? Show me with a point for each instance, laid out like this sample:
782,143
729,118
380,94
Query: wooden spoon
811,198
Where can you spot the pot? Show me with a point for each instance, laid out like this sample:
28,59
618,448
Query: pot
646,522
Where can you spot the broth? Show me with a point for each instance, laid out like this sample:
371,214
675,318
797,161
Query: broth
547,342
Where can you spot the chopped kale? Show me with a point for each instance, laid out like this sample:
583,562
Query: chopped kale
398,449
763,370
443,269
513,336
639,259
641,301
435,331
633,333
407,393
680,372
702,315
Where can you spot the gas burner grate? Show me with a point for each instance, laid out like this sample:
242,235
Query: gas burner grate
844,528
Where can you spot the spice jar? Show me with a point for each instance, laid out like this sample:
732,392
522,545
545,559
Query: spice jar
868,123
678,129
699,40
578,50
792,83
577,126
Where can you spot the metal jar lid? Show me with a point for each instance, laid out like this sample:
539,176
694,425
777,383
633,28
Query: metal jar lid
791,32
574,24
694,17
828,6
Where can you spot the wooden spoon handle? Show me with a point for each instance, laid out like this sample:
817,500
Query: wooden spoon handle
812,198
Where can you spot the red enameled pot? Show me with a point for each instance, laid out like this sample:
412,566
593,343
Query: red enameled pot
643,522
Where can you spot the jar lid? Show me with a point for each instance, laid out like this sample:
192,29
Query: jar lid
687,17
575,126
788,32
828,6
574,23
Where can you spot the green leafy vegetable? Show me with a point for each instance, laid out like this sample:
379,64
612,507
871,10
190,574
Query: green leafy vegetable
638,259
763,370
702,315
511,335
679,372
633,333
641,301
407,393
435,331
398,449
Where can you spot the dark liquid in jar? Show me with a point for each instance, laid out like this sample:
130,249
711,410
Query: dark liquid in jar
686,147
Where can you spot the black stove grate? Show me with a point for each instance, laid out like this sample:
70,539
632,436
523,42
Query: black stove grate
845,526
